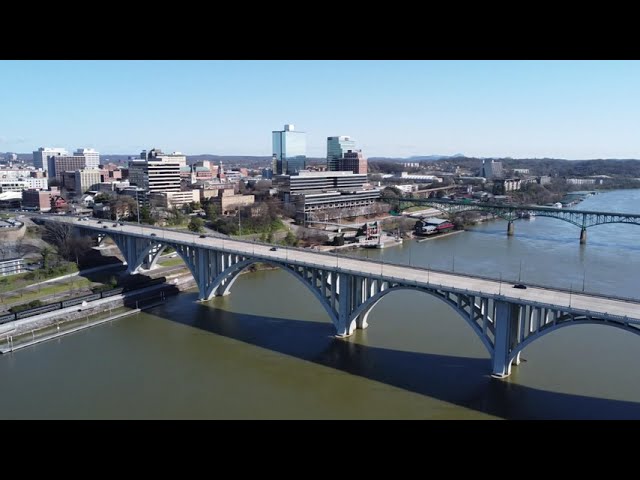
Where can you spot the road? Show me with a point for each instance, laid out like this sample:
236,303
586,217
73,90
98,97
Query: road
560,300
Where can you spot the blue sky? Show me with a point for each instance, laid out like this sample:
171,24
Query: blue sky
565,109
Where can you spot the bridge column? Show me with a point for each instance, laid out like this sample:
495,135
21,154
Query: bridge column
583,236
345,301
510,228
506,337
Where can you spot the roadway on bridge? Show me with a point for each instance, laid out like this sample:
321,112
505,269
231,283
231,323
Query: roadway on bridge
560,300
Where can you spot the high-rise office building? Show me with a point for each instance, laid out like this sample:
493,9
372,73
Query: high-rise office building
492,169
155,176
86,179
353,161
42,155
65,163
336,148
289,151
156,154
92,157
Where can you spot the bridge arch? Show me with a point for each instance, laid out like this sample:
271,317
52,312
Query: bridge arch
136,251
567,322
555,217
365,309
225,280
470,208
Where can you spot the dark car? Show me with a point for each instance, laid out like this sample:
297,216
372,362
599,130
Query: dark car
273,249
122,224
114,225
203,236
153,234
104,226
520,286
99,221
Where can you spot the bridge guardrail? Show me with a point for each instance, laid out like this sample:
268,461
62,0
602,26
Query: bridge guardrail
398,264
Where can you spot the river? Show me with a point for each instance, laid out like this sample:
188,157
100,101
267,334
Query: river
267,351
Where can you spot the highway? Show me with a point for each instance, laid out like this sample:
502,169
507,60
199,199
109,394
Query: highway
560,300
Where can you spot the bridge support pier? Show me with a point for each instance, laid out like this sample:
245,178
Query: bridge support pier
506,337
583,236
510,229
361,321
345,291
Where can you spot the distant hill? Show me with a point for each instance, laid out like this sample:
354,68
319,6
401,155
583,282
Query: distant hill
418,158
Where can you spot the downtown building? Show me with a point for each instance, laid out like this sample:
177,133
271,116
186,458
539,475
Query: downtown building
155,154
289,151
42,155
492,169
158,176
91,156
336,148
342,156
331,194
66,163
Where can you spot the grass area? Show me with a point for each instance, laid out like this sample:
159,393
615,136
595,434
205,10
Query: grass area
46,290
21,280
417,208
171,262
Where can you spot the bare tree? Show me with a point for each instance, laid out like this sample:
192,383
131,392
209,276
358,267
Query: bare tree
71,247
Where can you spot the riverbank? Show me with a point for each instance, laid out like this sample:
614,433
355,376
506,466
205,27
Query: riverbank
435,237
22,341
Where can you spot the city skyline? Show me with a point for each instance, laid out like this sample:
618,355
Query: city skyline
535,109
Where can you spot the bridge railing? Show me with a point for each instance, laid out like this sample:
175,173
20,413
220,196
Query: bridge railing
499,279
381,261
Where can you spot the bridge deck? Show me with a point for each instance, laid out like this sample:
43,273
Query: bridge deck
410,275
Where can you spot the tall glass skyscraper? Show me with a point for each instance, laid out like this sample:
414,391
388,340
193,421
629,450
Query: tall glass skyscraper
336,148
289,151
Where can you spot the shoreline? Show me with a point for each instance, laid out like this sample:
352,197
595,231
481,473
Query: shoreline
443,235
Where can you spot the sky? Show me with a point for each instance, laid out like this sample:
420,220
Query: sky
561,109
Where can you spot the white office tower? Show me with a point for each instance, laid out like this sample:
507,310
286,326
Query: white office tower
92,158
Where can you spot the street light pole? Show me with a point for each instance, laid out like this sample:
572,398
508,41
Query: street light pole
520,271
570,288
